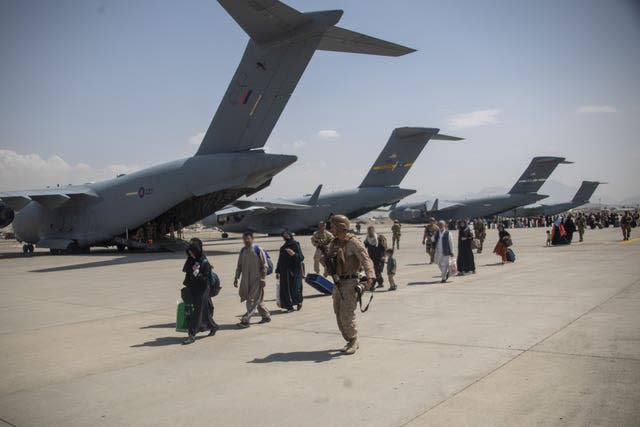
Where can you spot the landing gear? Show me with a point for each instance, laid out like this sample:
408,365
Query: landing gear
28,249
120,248
225,235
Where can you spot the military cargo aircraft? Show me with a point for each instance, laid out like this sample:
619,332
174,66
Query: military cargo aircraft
229,163
379,188
523,193
582,197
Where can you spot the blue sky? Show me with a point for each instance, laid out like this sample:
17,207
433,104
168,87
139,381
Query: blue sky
90,88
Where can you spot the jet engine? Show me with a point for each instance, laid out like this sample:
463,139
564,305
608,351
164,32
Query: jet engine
6,215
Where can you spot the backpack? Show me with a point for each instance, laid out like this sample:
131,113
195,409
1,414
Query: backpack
256,249
215,282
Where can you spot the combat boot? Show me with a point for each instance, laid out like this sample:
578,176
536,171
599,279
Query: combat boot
352,347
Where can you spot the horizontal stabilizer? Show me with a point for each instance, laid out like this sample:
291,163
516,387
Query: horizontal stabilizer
441,137
338,39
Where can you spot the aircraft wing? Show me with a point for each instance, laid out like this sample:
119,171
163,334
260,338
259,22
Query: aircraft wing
450,207
50,198
245,207
269,204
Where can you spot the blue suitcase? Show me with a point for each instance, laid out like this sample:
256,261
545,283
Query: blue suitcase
511,256
319,283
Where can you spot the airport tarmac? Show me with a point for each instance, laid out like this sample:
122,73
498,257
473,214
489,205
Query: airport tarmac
553,339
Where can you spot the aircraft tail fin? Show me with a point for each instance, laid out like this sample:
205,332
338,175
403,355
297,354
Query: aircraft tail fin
434,207
283,40
403,148
536,174
586,190
313,200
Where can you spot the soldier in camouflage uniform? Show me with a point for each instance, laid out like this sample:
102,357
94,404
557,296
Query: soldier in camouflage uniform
480,232
427,239
625,226
396,231
581,224
350,257
321,238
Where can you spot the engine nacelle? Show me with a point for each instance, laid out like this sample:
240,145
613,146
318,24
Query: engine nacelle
6,215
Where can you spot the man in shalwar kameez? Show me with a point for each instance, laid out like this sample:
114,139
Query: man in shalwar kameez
252,272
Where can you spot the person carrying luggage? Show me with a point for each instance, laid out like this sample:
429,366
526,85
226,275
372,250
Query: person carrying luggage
197,291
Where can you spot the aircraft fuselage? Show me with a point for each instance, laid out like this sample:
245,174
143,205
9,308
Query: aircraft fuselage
352,203
184,190
417,213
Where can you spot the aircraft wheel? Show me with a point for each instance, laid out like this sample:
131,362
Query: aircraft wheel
120,248
55,251
30,248
225,235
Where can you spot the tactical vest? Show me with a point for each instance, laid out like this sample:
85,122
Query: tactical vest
346,264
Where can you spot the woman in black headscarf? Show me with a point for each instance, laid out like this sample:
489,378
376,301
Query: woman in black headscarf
197,291
466,262
289,272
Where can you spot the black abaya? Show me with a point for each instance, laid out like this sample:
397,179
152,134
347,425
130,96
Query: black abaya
197,291
466,262
290,270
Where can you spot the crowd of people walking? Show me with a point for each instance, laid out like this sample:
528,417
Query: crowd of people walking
344,257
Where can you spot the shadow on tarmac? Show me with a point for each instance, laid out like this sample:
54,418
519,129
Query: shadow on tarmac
317,356
133,258
175,340
161,342
435,282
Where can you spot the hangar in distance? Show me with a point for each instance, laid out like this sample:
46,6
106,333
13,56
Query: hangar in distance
379,188
524,192
230,161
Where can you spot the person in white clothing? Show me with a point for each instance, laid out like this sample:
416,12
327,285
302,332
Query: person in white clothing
444,249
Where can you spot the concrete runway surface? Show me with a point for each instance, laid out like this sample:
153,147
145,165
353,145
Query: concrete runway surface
553,339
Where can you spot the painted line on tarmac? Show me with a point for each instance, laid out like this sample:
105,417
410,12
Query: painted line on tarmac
628,242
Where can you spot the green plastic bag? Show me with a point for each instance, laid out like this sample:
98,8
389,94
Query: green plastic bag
182,314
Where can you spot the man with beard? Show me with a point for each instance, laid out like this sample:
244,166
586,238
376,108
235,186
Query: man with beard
376,248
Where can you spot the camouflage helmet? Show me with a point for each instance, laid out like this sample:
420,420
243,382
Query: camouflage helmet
432,219
341,222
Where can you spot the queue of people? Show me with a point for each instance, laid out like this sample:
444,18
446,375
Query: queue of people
353,264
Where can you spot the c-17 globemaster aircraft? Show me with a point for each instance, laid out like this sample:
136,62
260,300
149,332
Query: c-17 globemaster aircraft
230,161
582,197
523,193
379,188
